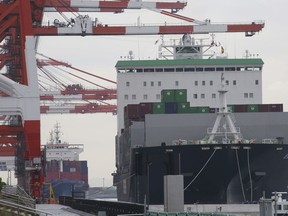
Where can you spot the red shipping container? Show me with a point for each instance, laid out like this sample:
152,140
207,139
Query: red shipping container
240,108
276,107
145,108
263,107
131,111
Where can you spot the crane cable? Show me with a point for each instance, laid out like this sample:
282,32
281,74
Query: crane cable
201,169
75,13
250,178
84,72
240,176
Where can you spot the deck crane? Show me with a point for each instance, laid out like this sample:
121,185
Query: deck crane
20,22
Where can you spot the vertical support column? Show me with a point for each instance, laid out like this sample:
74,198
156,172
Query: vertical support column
173,193
30,101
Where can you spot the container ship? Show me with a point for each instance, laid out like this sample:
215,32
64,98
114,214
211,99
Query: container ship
165,109
64,173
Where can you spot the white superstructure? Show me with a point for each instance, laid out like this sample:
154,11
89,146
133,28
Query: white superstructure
193,69
56,150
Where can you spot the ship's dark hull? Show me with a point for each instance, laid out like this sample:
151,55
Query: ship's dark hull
217,173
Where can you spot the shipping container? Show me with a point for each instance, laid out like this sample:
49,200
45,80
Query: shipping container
168,95
203,109
230,108
181,95
275,107
252,108
193,110
183,107
171,107
212,110
264,107
240,108
145,108
132,111
158,108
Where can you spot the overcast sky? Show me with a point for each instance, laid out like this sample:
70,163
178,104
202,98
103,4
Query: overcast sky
99,55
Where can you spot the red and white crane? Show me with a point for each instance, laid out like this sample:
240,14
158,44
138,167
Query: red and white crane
21,21
75,98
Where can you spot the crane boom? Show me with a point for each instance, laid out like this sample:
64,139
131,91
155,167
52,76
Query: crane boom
84,26
123,4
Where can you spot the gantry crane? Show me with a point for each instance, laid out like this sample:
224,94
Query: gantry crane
74,98
21,22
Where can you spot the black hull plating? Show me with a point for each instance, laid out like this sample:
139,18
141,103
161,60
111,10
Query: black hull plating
222,173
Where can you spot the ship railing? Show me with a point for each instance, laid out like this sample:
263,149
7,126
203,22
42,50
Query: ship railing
16,209
150,213
270,141
17,195
222,131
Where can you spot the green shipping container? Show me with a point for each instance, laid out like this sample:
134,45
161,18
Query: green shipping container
183,107
203,110
158,108
193,109
253,108
230,108
168,95
181,95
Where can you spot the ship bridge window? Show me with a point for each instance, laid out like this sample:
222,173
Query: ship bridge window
229,68
131,70
169,69
159,69
121,70
189,69
219,69
139,70
209,69
240,68
199,69
249,68
256,82
179,69
148,69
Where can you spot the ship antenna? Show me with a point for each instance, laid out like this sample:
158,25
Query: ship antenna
57,133
228,127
